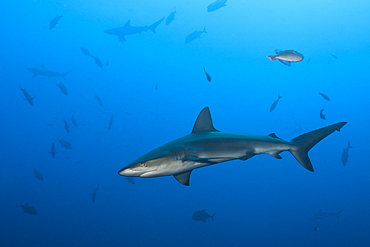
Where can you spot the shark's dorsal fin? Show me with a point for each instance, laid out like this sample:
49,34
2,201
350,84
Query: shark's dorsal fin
273,135
183,178
127,24
204,122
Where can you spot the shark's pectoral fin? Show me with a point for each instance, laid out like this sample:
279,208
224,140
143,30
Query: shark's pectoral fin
34,75
121,38
183,178
245,157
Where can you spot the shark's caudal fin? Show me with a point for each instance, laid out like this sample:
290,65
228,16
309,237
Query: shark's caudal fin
306,141
64,75
155,25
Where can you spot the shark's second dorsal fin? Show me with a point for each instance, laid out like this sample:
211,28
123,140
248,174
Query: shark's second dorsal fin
127,24
204,122
273,135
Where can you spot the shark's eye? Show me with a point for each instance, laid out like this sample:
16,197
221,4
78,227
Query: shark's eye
143,164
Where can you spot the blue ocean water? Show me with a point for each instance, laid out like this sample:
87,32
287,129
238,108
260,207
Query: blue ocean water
154,86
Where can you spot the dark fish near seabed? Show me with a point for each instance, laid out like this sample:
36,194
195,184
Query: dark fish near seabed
29,209
98,61
38,174
65,144
208,76
66,126
85,51
194,35
202,216
100,102
216,5
27,96
275,103
74,122
54,21
62,88
315,228
93,196
170,18
345,154
325,96
52,151
110,123
288,55
322,115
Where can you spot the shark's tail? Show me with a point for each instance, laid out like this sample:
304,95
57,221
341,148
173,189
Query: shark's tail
155,25
212,216
65,74
305,142
338,213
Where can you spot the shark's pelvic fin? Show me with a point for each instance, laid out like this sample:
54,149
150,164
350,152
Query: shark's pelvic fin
204,122
183,178
306,141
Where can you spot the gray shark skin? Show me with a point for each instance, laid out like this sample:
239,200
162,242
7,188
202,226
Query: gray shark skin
321,215
345,154
45,72
127,29
216,5
207,146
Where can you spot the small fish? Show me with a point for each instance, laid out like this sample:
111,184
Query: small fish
74,122
110,123
52,151
322,115
100,102
98,61
54,22
345,154
93,196
277,51
38,174
202,216
66,126
65,144
288,56
170,18
216,5
28,209
275,103
85,51
194,35
308,60
316,228
335,57
27,96
156,87
208,76
325,96
62,88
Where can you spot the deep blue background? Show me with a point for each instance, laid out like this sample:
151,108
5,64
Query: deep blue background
260,202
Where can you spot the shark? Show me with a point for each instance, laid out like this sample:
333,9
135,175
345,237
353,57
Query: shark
321,215
46,72
206,146
127,29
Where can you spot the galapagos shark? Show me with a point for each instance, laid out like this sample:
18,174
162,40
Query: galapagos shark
127,29
45,72
206,146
